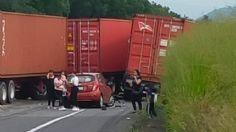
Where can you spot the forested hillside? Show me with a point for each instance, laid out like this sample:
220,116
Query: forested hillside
219,14
86,8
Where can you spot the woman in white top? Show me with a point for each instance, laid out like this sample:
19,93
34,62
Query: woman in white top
74,91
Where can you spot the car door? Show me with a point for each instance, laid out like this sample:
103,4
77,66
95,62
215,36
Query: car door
105,90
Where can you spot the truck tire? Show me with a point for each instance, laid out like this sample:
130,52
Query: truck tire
3,93
11,91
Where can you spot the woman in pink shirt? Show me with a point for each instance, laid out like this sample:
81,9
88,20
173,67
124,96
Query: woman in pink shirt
60,88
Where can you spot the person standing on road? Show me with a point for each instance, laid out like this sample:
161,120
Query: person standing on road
74,92
60,87
136,93
63,78
64,92
50,89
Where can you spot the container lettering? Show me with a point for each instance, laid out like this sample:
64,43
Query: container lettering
3,53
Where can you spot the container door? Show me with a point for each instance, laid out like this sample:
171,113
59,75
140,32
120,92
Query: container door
168,30
71,47
142,45
88,46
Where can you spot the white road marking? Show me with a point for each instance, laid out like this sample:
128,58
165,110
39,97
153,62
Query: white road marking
54,121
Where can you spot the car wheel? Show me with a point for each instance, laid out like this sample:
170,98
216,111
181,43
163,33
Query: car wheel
3,93
11,91
111,101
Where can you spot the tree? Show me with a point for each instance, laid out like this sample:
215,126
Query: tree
5,5
87,8
49,7
205,18
17,6
116,8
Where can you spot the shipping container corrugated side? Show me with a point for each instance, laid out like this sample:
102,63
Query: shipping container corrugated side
98,45
150,37
114,38
31,44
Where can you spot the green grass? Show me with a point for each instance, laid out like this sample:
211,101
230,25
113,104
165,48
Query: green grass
140,123
200,80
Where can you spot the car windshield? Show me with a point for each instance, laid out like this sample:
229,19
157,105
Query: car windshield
86,78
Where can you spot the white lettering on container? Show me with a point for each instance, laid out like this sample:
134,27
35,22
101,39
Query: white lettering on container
164,42
175,28
3,53
166,25
162,52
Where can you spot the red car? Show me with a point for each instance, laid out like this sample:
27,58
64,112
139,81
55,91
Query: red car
93,88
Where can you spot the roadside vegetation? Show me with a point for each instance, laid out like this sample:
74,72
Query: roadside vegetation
144,124
199,84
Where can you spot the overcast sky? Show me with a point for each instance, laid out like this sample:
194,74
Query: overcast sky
195,8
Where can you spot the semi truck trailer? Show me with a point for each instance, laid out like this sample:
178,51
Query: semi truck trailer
30,45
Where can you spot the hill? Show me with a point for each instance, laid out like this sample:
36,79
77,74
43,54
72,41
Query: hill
221,13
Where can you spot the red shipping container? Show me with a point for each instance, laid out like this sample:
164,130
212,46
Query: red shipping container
150,37
98,45
30,45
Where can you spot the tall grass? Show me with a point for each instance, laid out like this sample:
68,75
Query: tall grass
200,80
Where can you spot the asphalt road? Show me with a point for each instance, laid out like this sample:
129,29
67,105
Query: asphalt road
33,116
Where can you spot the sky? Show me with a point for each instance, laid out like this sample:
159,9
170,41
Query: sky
195,8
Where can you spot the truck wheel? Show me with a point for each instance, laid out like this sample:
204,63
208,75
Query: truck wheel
3,93
11,91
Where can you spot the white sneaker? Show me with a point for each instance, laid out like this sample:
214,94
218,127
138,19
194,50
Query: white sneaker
54,108
62,108
75,109
48,107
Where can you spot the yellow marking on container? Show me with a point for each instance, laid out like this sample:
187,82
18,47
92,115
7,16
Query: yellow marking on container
70,47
